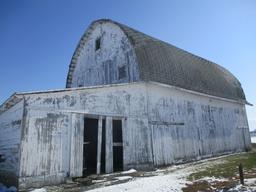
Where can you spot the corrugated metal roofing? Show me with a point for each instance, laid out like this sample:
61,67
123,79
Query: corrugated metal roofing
164,63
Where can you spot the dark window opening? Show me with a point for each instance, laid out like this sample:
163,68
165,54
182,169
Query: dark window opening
1,158
121,72
117,145
97,43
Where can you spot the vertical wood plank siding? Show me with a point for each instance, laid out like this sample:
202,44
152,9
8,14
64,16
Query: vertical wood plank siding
99,144
109,145
77,141
161,126
10,133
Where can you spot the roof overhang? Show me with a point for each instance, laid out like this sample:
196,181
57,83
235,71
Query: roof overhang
10,102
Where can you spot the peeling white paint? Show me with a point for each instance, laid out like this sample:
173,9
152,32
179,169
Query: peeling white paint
190,127
161,126
105,65
10,129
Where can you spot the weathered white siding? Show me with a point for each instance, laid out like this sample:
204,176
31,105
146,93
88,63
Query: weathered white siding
161,125
10,130
43,146
50,139
76,144
187,126
114,62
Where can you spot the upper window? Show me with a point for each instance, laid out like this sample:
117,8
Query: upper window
97,43
121,72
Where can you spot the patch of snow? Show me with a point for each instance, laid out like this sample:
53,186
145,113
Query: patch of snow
156,183
253,139
168,182
212,179
172,178
251,181
123,178
159,170
129,171
239,188
98,181
39,190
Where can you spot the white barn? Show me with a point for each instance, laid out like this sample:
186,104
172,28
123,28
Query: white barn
131,101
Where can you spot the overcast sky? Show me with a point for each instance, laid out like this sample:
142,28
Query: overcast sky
38,37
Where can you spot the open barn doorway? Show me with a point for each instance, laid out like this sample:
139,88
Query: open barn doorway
96,152
90,146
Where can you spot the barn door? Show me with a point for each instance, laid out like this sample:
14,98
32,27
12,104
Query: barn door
76,151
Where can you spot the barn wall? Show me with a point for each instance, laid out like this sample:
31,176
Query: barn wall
114,62
43,148
49,129
162,125
10,129
186,126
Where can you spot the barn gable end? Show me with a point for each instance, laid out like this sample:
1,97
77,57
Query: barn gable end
147,59
103,56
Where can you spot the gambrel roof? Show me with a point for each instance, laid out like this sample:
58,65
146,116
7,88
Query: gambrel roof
164,63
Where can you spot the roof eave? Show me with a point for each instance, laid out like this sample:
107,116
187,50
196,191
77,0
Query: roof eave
11,101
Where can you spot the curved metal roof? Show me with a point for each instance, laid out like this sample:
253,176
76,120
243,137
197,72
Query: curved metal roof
164,63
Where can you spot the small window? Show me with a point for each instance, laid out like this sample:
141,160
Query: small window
97,43
121,72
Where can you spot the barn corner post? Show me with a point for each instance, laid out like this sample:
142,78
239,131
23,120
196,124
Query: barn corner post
22,135
247,137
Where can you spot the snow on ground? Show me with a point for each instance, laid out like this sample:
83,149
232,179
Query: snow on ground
170,179
250,186
129,171
165,180
212,179
98,181
122,178
156,183
251,181
39,190
253,139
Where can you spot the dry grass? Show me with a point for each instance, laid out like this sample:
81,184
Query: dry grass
227,170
